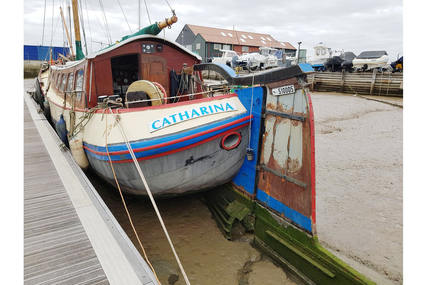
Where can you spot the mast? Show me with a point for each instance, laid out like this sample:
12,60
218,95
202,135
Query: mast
68,35
79,50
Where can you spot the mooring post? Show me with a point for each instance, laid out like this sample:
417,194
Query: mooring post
342,80
374,75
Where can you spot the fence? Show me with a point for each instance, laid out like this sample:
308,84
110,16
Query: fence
375,83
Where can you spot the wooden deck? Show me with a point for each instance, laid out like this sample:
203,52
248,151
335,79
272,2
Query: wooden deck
70,236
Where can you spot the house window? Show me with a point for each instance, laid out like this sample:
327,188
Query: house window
226,47
217,46
198,46
245,49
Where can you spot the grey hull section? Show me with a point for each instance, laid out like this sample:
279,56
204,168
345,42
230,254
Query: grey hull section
198,168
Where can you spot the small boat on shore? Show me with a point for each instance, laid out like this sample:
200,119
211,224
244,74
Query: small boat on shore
322,54
368,60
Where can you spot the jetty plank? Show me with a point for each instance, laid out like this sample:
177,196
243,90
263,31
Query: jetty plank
67,241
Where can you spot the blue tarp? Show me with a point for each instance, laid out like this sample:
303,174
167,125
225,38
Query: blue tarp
42,52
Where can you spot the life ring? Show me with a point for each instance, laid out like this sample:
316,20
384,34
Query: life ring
165,98
155,93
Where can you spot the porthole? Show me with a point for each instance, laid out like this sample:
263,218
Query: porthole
231,140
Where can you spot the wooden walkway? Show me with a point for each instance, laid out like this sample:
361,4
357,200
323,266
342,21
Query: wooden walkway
366,83
70,236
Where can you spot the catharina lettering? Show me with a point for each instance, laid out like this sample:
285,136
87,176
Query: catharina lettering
193,113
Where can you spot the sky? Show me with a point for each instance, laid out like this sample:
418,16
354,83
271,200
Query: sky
341,25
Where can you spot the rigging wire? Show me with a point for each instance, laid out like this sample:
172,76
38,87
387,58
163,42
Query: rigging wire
105,22
170,6
82,23
44,20
148,14
53,17
88,22
99,22
125,16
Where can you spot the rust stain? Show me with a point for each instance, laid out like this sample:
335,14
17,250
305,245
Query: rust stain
280,108
294,165
271,106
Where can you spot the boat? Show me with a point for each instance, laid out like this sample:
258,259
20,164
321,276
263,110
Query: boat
137,114
342,62
141,98
322,54
397,66
369,60
347,63
264,59
226,57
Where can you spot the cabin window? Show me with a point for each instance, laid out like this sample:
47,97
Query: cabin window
79,80
226,47
217,46
198,46
58,80
245,49
70,82
63,81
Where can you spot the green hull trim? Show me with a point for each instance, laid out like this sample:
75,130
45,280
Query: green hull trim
294,249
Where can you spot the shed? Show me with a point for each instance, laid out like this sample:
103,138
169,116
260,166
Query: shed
32,52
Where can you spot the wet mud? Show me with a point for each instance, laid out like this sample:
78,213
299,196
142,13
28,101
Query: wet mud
206,255
359,182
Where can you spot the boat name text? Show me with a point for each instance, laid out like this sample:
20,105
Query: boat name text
191,114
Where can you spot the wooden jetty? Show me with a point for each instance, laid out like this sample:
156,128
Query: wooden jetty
70,236
368,83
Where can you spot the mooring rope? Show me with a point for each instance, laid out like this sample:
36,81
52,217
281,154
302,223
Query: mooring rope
124,203
250,115
153,202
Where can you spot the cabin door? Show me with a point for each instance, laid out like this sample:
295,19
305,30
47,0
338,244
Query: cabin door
125,70
153,68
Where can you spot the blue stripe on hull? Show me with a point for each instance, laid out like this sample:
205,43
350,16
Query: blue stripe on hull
165,139
194,169
281,208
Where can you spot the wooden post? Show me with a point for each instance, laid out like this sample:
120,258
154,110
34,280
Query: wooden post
374,75
342,80
312,82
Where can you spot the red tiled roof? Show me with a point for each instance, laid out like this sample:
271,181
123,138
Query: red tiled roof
233,37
